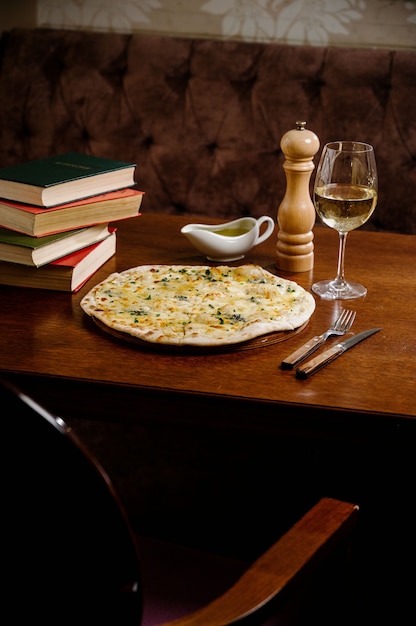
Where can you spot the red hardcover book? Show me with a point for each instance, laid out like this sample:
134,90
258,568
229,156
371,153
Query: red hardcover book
69,273
38,222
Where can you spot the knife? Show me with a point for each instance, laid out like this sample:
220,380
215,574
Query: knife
326,357
290,362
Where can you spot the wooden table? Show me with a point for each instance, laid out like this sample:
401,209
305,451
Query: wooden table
49,336
228,429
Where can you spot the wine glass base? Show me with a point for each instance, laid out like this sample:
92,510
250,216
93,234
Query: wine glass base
328,290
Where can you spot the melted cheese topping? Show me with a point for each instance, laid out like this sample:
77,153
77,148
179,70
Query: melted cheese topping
198,305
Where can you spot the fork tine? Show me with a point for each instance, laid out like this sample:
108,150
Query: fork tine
349,320
340,319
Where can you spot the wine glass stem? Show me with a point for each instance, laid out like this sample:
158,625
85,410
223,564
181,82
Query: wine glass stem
340,282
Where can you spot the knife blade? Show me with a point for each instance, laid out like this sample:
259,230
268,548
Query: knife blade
329,355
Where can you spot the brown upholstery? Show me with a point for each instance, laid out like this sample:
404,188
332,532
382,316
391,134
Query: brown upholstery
203,119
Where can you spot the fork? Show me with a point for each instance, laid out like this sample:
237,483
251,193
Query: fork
341,326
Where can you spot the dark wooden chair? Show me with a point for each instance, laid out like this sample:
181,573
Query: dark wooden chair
69,552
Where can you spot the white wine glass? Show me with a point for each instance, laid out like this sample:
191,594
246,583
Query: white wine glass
345,196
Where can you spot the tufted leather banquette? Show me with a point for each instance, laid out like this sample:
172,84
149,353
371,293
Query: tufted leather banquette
203,119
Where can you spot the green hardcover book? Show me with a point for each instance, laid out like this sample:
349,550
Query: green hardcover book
37,251
68,273
64,178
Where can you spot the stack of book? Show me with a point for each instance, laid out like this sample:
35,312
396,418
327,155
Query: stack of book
57,218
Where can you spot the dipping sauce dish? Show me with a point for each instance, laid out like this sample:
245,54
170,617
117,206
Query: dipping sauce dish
228,241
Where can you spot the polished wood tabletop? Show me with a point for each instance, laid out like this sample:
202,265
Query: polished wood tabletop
46,336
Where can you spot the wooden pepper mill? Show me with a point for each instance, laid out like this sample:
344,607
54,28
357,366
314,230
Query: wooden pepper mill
296,213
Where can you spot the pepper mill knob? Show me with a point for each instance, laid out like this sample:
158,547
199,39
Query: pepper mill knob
296,213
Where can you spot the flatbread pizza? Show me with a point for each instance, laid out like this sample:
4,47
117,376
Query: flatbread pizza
198,305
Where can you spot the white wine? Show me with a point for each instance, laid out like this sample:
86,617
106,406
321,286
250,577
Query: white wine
344,207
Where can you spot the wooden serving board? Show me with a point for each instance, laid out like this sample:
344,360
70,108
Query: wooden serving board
252,344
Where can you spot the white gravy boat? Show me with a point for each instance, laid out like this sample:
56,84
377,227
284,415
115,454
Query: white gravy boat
229,241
